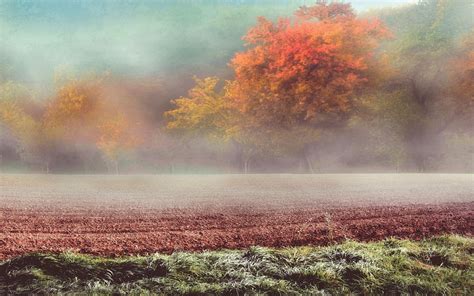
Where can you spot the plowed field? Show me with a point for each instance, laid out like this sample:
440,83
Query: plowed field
116,215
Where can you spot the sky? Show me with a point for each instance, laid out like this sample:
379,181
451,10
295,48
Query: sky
40,38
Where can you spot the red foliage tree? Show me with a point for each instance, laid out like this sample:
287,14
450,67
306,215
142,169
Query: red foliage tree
306,70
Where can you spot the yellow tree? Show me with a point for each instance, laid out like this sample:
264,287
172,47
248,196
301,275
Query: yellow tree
81,113
74,110
84,113
36,144
117,134
210,111
205,111
23,126
71,114
22,116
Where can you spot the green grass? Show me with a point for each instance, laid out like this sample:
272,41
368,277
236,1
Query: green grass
438,266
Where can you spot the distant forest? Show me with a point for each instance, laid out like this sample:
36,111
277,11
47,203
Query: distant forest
214,88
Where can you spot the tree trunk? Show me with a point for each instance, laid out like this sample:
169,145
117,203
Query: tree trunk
84,167
116,167
247,165
420,163
309,163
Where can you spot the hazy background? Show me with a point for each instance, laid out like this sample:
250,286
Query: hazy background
154,48
134,38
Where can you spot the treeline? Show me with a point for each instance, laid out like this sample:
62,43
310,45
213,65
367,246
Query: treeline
324,90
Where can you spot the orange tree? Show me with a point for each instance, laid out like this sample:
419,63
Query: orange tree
296,77
81,115
22,116
83,112
306,69
306,72
462,75
74,110
117,134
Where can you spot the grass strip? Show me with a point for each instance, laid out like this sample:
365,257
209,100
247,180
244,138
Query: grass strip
442,265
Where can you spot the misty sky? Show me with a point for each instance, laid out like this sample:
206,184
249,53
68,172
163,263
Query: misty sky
135,38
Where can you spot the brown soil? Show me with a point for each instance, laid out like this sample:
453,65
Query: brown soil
138,215
118,232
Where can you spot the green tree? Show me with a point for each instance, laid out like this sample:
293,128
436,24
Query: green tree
427,35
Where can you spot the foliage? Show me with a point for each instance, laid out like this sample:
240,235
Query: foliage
19,113
396,84
295,77
461,68
205,112
423,56
306,69
74,109
80,113
211,113
117,134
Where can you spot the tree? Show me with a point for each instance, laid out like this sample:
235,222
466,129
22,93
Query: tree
22,125
116,136
22,115
307,72
427,34
72,114
209,112
296,77
81,115
461,75
75,108
83,112
205,111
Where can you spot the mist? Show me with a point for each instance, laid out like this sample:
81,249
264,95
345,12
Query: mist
131,38
146,53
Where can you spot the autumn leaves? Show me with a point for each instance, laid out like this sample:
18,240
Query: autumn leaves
303,87
80,113
295,77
